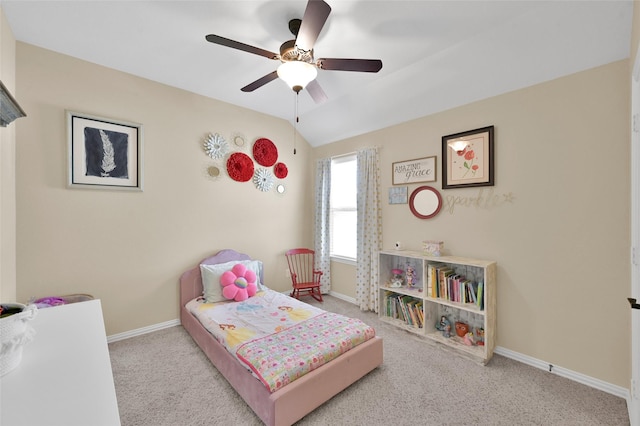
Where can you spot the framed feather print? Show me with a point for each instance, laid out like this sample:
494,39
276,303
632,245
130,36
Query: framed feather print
104,153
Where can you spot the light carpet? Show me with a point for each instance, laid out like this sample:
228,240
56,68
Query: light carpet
163,378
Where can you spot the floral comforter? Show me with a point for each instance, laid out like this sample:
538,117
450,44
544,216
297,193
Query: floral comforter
279,338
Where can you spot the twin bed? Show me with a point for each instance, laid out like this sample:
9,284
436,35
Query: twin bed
283,357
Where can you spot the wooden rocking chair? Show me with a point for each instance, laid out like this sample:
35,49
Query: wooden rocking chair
304,277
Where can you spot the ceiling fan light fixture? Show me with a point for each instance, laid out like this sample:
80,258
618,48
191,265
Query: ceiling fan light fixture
297,74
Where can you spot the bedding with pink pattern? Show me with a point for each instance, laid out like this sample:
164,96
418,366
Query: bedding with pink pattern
279,338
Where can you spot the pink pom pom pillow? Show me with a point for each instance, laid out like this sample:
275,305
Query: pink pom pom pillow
239,283
211,274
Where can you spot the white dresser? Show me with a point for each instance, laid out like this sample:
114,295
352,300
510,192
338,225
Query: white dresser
65,375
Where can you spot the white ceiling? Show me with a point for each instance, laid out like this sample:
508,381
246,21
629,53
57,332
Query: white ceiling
436,54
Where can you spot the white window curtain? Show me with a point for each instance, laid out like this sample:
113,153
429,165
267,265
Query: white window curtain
322,242
369,229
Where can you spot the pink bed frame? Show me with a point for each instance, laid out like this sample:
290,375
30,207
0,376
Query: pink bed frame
294,401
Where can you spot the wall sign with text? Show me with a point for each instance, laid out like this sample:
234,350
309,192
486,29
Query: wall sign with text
418,170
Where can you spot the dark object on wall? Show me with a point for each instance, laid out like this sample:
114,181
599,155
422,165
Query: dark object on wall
633,303
110,162
104,153
467,158
9,108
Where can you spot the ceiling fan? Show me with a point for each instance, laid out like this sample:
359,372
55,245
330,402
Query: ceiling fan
299,68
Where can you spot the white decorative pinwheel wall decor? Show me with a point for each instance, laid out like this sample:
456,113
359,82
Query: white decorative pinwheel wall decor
215,146
263,179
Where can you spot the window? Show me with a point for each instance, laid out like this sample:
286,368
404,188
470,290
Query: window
343,207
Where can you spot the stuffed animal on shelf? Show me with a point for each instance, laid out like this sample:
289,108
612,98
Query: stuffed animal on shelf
411,276
461,329
468,339
444,326
397,280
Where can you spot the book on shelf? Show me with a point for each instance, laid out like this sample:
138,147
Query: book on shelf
466,289
385,304
405,314
452,283
420,312
412,306
472,292
404,308
397,310
407,303
432,279
443,283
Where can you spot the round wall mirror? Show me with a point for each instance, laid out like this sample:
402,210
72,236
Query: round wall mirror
238,140
213,171
425,202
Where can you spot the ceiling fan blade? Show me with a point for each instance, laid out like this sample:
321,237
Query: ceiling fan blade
315,15
260,82
215,39
362,65
316,92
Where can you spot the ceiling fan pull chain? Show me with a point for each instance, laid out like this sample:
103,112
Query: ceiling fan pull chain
295,124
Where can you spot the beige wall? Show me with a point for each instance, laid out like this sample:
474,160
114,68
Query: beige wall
129,248
7,172
343,279
562,243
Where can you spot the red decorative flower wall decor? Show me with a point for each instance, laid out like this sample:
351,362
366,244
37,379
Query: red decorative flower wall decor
265,152
280,170
240,167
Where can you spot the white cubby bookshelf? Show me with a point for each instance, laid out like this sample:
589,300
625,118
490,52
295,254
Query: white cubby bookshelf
418,309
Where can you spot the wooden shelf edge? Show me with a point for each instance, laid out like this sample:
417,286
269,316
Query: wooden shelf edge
469,307
476,353
403,325
406,291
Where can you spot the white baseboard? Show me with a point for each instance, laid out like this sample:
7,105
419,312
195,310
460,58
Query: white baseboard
554,369
564,372
343,297
143,330
560,371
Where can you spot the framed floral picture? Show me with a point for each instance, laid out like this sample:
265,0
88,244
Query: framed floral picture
467,158
103,153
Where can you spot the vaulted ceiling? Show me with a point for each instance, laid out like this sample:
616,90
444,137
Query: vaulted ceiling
436,54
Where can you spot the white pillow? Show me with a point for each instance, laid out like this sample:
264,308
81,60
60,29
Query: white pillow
211,277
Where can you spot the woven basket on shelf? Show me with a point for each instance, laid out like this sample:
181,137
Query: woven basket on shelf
14,334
